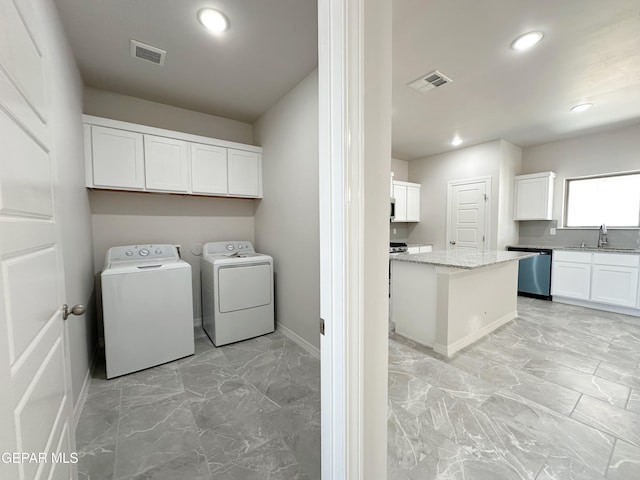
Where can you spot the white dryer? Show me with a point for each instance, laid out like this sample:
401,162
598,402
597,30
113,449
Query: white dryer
147,304
237,292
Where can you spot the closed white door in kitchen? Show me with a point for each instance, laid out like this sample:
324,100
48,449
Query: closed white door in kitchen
35,403
467,223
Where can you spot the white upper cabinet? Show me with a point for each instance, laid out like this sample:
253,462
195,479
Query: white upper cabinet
407,196
244,169
400,195
413,204
127,156
166,164
208,169
118,159
534,196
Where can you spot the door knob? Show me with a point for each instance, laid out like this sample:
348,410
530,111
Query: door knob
75,310
452,242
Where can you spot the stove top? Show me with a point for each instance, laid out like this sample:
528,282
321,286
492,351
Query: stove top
397,247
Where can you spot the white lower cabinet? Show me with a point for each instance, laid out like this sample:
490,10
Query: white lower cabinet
420,249
166,164
571,280
615,285
600,278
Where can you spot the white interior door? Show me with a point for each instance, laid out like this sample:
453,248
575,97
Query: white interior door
35,403
467,222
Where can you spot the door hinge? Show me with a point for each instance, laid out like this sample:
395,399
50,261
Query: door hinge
322,326
483,238
486,197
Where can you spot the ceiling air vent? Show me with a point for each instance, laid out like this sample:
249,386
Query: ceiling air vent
148,53
430,81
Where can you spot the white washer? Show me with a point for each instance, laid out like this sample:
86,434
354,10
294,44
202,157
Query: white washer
237,292
147,307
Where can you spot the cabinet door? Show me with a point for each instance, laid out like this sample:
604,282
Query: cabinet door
615,285
166,164
244,173
117,158
208,169
532,199
413,204
400,194
571,280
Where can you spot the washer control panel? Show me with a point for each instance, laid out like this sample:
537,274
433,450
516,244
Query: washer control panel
234,247
132,253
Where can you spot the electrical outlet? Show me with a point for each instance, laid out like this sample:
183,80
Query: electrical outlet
552,231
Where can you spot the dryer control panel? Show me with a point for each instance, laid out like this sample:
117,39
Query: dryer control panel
135,253
232,247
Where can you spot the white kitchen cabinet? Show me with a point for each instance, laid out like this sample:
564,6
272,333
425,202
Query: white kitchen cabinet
407,196
400,196
615,279
419,249
166,164
244,173
208,169
534,196
117,158
413,204
571,275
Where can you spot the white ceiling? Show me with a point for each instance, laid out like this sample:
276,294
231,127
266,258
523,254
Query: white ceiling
271,46
590,52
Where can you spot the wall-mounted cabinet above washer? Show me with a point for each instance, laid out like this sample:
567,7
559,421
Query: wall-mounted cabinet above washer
127,156
534,196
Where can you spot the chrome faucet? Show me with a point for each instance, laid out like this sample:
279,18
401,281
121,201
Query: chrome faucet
602,236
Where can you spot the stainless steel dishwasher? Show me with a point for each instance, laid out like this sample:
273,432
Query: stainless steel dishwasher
534,273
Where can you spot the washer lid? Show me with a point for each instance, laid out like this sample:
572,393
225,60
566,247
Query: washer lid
141,254
120,268
240,259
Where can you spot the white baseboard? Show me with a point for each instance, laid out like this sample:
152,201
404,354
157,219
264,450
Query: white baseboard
597,306
449,350
314,351
82,398
197,322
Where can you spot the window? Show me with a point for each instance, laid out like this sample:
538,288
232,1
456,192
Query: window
612,199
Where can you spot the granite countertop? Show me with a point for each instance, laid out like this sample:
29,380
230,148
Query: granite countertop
462,259
581,249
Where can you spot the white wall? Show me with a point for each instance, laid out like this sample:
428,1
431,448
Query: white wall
126,218
497,159
510,166
608,152
400,169
286,220
102,103
72,206
434,173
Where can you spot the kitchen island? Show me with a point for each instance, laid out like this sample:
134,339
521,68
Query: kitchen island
447,300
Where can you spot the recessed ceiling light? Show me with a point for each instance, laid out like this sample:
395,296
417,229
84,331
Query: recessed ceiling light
526,40
456,141
582,107
213,20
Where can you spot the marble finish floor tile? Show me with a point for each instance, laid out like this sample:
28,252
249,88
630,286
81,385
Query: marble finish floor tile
245,411
620,423
633,405
527,401
595,387
625,462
